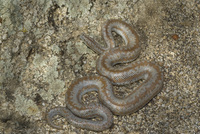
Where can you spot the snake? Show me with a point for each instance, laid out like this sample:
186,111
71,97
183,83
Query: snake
116,66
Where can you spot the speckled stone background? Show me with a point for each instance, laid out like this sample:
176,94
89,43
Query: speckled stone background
41,54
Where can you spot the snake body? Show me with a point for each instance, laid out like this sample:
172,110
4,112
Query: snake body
81,115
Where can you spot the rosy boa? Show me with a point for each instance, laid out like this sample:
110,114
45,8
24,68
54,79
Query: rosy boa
99,116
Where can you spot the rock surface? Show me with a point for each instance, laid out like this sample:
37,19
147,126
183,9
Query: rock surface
41,54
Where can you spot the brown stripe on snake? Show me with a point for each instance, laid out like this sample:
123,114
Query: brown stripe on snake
81,115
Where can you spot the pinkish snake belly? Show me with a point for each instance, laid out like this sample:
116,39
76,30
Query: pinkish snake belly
81,115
